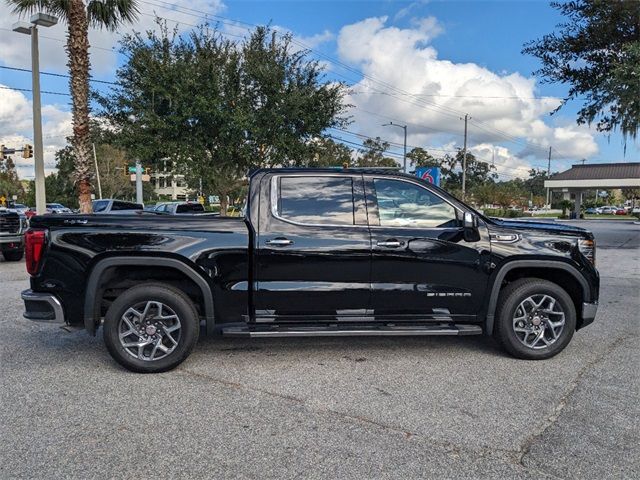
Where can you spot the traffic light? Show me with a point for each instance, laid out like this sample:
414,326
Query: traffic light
27,151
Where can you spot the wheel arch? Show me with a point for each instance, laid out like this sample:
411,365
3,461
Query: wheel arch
563,274
94,291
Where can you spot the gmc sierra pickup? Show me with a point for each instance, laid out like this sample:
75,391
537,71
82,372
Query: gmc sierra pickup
326,252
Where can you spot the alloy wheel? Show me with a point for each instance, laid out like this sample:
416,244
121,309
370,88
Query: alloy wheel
538,321
149,330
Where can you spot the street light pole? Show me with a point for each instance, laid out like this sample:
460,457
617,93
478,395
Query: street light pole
44,20
404,156
38,149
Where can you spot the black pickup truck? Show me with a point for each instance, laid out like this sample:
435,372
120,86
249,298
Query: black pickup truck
327,252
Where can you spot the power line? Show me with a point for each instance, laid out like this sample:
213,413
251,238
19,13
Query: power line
64,41
29,90
61,75
514,97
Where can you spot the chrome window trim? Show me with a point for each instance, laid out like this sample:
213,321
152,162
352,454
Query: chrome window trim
274,201
419,185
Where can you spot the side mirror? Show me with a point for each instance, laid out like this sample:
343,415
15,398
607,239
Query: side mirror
470,221
470,230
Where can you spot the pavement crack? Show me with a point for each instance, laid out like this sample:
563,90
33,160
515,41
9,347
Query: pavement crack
553,417
448,447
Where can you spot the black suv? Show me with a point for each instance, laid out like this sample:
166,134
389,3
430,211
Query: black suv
327,252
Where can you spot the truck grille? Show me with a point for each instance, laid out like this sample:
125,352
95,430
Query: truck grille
9,223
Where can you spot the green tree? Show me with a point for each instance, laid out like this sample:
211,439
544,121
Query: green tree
79,15
419,157
478,172
372,154
217,110
485,193
596,52
328,153
9,182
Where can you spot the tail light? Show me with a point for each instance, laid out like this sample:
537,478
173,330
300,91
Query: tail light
35,240
588,249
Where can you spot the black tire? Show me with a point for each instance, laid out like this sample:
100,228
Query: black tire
508,303
12,255
170,297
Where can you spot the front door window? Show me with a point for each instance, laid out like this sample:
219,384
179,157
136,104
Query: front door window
403,204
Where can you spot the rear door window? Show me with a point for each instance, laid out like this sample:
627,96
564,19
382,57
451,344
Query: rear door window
100,205
126,206
316,200
190,208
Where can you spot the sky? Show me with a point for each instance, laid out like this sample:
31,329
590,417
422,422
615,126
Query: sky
423,64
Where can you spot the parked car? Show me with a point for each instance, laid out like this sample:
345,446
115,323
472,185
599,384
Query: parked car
591,211
12,227
19,207
320,252
608,210
152,208
620,211
115,207
181,208
57,208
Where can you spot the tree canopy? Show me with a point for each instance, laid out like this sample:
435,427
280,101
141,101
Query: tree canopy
218,108
596,52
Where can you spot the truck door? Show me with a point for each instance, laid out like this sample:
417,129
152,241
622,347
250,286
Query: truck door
422,266
313,248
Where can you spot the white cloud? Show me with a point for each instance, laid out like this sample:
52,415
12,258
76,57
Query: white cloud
16,127
405,81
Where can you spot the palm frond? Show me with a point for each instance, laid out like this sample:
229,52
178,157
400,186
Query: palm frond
58,8
110,14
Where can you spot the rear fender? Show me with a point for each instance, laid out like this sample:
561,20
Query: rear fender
92,300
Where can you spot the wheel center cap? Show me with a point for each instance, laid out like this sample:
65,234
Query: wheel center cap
535,320
151,330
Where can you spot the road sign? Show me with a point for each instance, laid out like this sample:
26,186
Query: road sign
145,178
213,199
430,174
132,169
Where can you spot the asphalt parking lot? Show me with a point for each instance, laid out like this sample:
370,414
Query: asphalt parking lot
330,408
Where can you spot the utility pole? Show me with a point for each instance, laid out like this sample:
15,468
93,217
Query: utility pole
548,176
95,161
404,156
138,181
464,157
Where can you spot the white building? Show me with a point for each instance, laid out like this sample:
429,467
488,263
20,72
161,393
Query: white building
167,183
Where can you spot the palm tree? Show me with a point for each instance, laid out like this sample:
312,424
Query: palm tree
79,15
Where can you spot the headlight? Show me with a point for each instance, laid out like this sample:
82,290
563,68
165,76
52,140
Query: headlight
588,249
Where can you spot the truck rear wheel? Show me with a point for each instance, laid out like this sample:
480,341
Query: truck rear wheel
151,328
535,320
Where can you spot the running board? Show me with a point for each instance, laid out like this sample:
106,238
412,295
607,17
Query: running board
345,331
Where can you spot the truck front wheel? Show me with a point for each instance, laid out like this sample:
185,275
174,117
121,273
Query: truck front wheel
535,319
151,328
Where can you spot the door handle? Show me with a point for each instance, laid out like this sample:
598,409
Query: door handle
279,242
390,243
